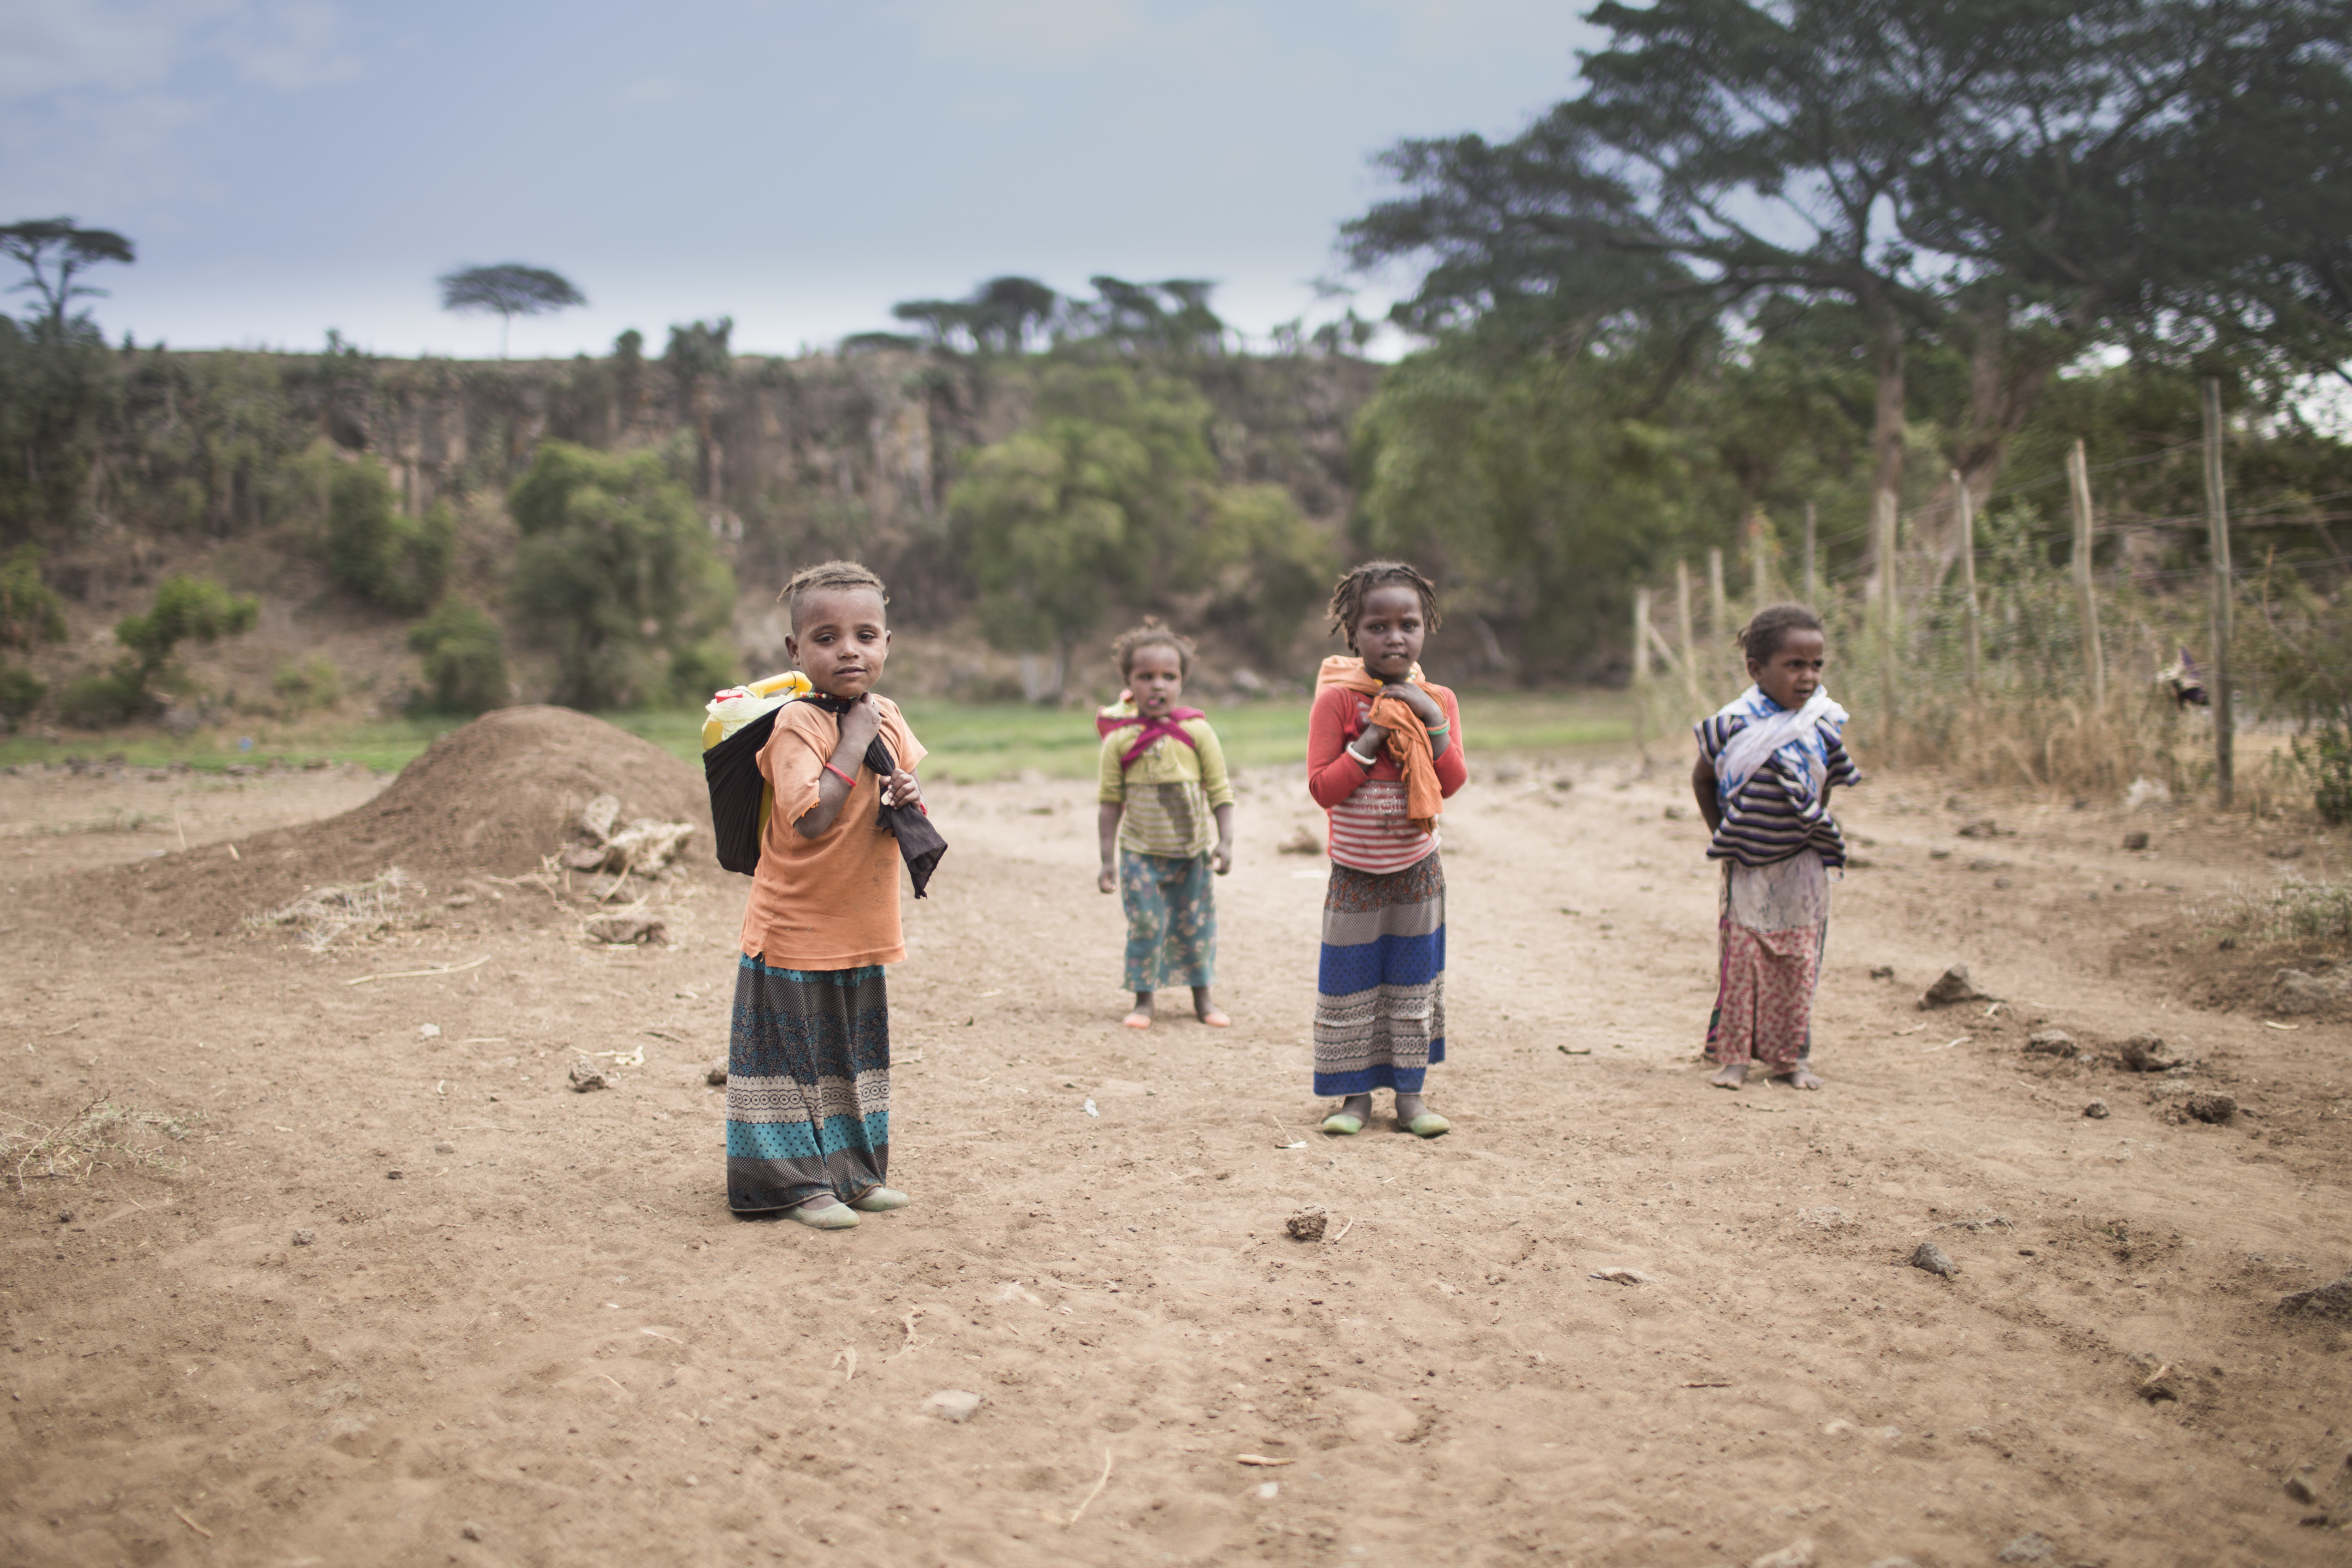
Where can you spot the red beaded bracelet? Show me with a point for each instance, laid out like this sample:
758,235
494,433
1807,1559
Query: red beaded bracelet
837,773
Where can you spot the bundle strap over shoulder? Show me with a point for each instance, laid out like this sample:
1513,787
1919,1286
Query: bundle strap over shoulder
1122,714
920,844
1792,735
1408,742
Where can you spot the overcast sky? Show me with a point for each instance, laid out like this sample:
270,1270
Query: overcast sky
286,166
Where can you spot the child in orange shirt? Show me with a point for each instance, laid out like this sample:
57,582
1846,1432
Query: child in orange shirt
808,1061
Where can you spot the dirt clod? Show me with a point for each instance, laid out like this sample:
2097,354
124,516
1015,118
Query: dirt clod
717,1076
2051,1042
2294,993
2300,1490
629,930
2211,1108
2136,840
2333,1299
1308,1224
65,1217
2097,1110
2032,1547
305,1238
2147,1053
1934,1259
585,1078
1882,972
471,1532
1952,989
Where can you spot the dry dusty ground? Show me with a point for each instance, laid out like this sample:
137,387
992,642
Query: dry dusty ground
547,1342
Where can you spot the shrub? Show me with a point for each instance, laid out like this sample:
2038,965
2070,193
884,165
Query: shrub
30,611
377,553
465,654
20,692
313,682
186,609
617,573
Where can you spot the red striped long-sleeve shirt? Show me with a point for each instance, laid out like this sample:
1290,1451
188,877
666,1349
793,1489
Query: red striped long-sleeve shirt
1368,829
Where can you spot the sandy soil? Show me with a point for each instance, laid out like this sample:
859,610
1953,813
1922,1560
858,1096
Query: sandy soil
546,1342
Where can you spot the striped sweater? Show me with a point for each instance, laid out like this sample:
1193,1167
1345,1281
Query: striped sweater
1368,829
1769,820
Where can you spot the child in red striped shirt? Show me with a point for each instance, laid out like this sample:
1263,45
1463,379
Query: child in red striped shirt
1383,753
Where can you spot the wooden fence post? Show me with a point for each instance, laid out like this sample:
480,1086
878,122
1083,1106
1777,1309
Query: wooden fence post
2086,598
1683,609
1882,520
1968,575
1719,611
1812,582
2216,525
1642,637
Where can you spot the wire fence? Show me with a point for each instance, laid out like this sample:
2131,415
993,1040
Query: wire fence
1978,654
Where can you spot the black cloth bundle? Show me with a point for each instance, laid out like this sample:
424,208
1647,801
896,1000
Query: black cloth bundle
731,768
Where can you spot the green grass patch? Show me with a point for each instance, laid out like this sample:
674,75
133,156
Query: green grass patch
972,743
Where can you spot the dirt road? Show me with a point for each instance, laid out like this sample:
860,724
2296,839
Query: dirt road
412,1301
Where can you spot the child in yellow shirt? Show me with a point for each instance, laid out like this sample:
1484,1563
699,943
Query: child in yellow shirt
1167,822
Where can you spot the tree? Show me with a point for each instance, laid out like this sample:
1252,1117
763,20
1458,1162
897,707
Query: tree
1965,167
371,549
56,251
618,575
1003,316
1113,497
465,654
511,289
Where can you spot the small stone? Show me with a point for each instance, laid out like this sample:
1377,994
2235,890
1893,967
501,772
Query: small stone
1984,863
1306,1225
585,1078
1302,842
717,1076
1953,988
1621,1276
2135,841
444,1148
2003,882
305,1238
2032,1547
2147,1052
2213,1109
2097,1110
955,1404
1796,1554
1268,1490
1934,1259
1984,827
471,1532
623,930
428,1031
1882,972
2300,1490
2296,994
65,1217
392,1175
2051,1042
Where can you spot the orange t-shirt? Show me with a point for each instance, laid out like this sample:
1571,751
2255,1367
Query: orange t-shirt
830,902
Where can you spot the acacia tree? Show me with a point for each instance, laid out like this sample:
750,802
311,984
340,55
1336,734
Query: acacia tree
55,251
1948,167
511,289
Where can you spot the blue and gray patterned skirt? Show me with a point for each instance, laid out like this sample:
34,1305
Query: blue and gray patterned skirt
808,1085
1380,1003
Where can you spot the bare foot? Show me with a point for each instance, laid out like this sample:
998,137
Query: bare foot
1141,1017
1216,1019
1799,1077
1206,1010
1733,1075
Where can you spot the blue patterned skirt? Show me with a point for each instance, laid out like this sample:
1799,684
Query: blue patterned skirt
1379,1002
808,1085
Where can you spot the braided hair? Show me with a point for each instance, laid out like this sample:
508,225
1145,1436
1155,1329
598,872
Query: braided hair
1762,636
828,577
1348,595
1153,632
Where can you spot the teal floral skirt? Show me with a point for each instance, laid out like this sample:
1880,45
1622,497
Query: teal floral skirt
1171,920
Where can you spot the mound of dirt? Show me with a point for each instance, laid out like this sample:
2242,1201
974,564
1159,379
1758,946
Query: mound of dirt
488,799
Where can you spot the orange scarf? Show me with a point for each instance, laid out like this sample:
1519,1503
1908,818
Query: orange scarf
1408,742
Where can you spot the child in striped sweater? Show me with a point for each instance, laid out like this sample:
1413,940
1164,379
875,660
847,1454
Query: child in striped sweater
1383,753
1767,763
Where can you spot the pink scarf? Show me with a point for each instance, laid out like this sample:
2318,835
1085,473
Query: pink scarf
1154,729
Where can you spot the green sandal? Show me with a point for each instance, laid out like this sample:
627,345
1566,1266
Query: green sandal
836,1216
1428,1124
1340,1125
881,1200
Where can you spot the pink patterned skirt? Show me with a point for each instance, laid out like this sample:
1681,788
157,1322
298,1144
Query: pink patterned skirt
1774,925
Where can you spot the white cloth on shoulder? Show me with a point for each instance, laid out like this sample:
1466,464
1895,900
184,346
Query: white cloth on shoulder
1792,734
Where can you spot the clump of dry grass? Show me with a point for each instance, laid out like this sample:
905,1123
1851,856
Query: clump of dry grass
2295,910
100,1134
348,912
